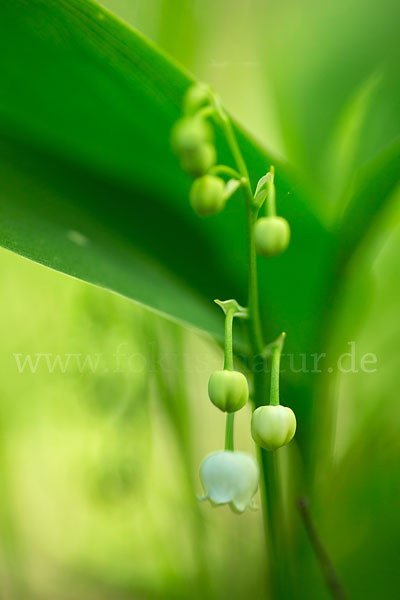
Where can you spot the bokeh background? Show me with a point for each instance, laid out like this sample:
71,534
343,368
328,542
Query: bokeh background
99,455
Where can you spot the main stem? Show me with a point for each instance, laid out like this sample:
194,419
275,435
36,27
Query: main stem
253,302
275,367
228,362
228,366
270,205
260,373
229,430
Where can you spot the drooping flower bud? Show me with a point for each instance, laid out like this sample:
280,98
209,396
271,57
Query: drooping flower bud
230,478
199,160
207,195
273,426
272,236
228,390
195,98
189,133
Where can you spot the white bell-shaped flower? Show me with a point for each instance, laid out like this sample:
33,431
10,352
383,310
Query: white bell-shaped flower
230,477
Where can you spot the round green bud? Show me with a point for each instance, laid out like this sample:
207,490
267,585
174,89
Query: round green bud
195,98
198,161
272,236
273,426
230,477
207,195
228,390
189,133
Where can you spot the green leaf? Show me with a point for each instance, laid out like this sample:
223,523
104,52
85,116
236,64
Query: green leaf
373,189
90,186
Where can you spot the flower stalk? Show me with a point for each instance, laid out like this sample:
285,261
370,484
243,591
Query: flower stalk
266,236
228,366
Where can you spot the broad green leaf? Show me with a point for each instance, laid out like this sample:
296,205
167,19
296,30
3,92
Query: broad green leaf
373,189
90,186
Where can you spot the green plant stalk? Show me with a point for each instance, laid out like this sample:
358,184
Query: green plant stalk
270,203
229,431
256,336
228,365
228,362
275,367
224,170
251,212
269,480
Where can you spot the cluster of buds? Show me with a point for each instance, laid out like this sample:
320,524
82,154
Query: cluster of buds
228,476
193,141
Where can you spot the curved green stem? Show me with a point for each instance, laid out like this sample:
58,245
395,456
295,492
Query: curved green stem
275,366
224,170
229,430
228,365
253,298
232,142
252,211
270,205
275,370
205,112
228,345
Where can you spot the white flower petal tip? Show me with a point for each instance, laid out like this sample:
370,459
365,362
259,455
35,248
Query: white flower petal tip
230,478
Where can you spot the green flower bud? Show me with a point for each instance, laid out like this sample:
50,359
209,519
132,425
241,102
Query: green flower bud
272,236
230,478
198,161
195,98
228,390
207,195
273,426
189,133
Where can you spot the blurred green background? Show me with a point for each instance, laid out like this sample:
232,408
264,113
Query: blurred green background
99,459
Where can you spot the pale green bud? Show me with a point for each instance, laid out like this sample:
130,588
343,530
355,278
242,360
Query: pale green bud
228,390
189,133
231,478
195,98
273,426
272,236
207,195
198,161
